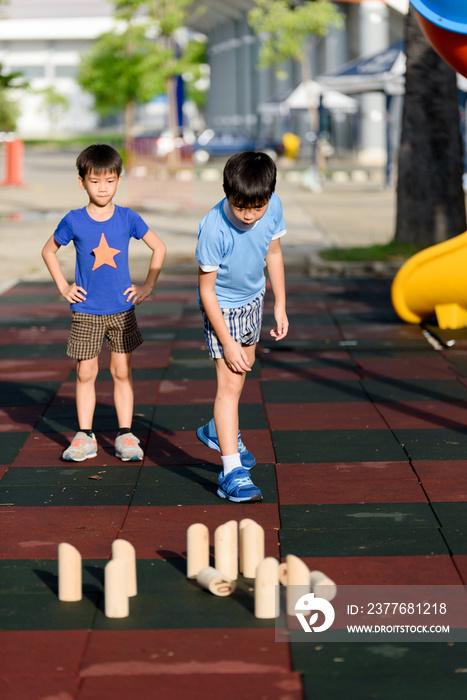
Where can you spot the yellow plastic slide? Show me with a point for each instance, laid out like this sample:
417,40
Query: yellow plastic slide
434,281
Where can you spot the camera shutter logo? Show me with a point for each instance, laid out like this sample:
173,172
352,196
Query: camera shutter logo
309,603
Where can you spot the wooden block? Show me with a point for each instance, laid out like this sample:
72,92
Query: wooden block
267,589
116,589
197,549
121,549
215,581
69,573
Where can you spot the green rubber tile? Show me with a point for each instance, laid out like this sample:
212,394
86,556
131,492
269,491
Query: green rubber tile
33,351
95,493
191,417
362,542
451,515
198,487
82,474
320,390
408,671
11,445
62,419
27,393
336,446
373,516
191,333
163,334
40,576
23,611
169,309
197,368
141,374
167,600
392,389
436,444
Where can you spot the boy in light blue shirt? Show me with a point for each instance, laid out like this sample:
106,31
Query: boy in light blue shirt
237,239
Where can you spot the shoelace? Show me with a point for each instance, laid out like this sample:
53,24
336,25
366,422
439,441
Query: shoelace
242,481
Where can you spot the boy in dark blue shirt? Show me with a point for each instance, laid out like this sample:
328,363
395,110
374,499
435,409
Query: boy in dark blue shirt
102,296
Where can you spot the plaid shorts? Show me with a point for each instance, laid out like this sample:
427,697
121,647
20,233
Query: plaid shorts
88,331
244,326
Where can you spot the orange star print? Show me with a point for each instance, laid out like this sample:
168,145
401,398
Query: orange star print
104,254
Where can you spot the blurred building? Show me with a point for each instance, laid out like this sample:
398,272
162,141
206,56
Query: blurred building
44,40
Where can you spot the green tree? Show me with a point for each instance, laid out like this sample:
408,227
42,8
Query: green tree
9,110
430,197
287,30
138,59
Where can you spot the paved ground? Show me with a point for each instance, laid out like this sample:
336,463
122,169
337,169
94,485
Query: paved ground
358,428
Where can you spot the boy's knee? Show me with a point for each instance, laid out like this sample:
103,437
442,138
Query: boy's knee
120,372
86,371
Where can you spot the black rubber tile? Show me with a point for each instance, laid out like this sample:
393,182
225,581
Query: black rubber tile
293,446
362,542
197,486
324,390
358,515
40,576
37,350
170,309
391,389
62,419
82,474
191,417
11,445
163,334
95,493
433,444
412,671
196,368
451,515
27,393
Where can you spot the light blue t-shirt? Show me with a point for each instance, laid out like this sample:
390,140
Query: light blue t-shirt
101,257
237,251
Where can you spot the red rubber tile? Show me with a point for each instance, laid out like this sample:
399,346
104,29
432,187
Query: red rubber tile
244,680
12,365
324,416
49,653
34,375
35,533
423,414
49,336
150,529
192,391
183,447
151,354
327,333
166,650
19,418
145,392
397,570
307,373
370,482
423,367
460,561
443,481
38,687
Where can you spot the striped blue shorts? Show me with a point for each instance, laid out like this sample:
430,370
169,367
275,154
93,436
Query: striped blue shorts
244,326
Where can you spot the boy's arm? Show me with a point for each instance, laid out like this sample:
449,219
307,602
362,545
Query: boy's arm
70,292
234,355
275,265
136,293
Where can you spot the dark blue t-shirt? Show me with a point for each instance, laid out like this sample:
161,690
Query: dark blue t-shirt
101,257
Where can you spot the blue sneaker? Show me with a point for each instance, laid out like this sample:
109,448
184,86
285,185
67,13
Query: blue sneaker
238,487
207,434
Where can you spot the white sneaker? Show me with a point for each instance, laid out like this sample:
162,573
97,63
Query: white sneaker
82,447
127,448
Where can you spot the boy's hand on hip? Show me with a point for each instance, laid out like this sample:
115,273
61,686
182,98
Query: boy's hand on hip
136,294
236,358
74,294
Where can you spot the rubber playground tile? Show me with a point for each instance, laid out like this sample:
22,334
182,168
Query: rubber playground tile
62,419
321,484
336,446
203,491
302,372
184,391
393,389
49,653
19,418
191,417
30,364
244,680
145,392
29,532
31,394
32,351
423,415
443,481
410,570
361,672
443,444
11,445
71,474
347,517
324,416
22,611
39,576
324,390
94,493
15,687
183,447
198,368
362,541
419,367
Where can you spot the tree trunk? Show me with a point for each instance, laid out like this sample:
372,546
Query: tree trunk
430,196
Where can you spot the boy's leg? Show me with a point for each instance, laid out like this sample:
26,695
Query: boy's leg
126,444
229,390
86,374
120,369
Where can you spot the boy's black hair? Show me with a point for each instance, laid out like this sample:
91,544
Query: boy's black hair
99,158
250,179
